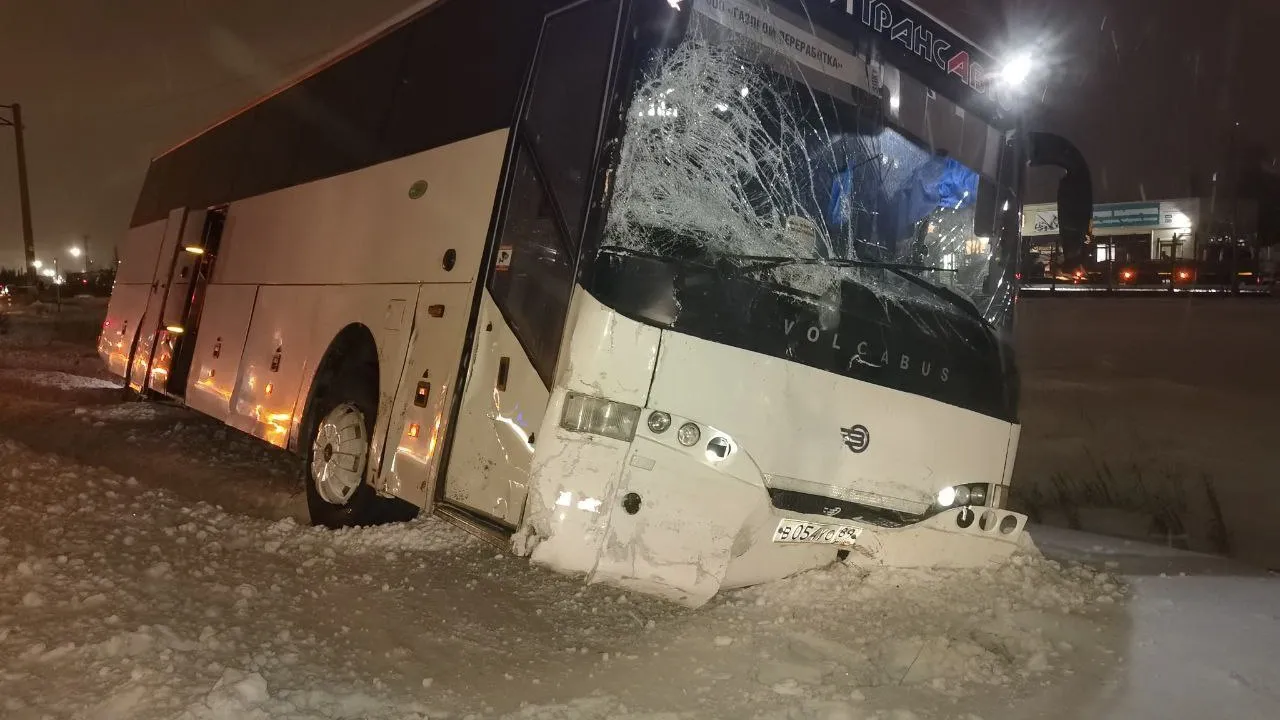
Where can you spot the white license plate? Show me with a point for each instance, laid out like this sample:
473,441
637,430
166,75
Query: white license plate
800,531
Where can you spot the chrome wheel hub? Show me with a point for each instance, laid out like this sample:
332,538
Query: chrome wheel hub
339,453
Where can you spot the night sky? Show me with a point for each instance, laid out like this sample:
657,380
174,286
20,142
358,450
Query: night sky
1149,89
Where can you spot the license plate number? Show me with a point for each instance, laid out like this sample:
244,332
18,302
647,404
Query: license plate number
800,531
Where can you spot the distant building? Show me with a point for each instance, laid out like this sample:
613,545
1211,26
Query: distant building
1164,229
1150,242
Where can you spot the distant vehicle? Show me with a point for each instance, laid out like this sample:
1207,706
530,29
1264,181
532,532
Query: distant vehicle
605,280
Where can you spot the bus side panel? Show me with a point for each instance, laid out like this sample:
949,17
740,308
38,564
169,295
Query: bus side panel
224,325
432,360
386,310
273,362
128,302
389,223
134,276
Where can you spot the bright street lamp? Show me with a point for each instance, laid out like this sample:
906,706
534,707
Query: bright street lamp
37,264
1017,70
75,251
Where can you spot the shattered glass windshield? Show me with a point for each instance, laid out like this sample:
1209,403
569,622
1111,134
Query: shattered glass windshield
759,204
727,157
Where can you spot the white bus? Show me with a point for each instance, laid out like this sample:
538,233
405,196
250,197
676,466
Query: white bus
680,295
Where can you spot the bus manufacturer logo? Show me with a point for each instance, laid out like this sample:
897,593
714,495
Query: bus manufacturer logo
856,438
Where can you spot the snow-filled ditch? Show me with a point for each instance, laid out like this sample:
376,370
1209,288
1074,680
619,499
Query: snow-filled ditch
120,600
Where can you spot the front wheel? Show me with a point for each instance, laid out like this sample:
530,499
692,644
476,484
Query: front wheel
338,457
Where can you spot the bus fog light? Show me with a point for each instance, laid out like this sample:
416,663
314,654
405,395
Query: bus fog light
946,497
719,448
658,421
583,413
688,435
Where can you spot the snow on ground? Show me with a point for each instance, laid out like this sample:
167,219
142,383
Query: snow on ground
121,599
57,379
1205,632
152,565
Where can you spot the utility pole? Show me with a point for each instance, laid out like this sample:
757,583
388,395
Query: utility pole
1236,164
24,195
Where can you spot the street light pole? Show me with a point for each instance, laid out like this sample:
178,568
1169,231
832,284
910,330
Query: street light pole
24,195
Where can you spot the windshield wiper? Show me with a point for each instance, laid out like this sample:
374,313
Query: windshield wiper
902,270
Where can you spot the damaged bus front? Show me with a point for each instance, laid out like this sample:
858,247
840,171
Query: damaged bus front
791,338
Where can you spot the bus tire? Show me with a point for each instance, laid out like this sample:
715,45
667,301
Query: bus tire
337,456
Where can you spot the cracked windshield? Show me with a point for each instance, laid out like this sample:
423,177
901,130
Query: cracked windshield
737,152
639,360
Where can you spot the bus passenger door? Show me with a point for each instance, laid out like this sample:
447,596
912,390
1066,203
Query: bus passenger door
150,338
189,284
171,294
517,338
528,285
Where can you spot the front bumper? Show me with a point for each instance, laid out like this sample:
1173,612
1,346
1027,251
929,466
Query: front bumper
655,517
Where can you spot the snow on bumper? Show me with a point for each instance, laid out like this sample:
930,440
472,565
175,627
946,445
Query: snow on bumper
655,517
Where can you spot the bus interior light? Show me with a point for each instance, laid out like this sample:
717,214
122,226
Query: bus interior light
194,249
598,416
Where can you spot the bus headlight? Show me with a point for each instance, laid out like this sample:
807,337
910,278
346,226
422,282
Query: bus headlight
583,413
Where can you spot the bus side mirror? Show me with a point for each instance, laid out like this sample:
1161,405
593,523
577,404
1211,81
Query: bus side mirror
1075,192
984,216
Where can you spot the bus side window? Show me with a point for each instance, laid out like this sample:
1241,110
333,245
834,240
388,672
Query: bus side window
533,289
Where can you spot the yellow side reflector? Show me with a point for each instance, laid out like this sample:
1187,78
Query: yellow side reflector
413,430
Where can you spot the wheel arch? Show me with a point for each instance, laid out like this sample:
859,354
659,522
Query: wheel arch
352,349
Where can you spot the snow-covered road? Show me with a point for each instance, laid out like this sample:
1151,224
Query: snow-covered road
151,566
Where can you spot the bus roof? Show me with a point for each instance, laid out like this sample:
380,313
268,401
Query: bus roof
326,60
888,20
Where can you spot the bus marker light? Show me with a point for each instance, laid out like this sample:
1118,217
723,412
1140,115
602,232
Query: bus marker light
413,430
194,249
270,388
946,497
659,421
688,434
174,329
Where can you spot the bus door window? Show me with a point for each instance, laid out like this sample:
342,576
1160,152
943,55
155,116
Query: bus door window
532,285
555,149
